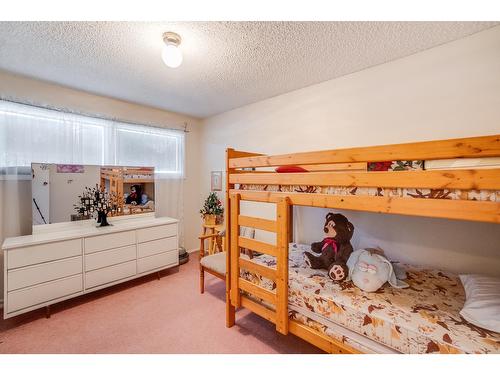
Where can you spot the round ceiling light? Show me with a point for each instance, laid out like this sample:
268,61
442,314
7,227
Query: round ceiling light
171,54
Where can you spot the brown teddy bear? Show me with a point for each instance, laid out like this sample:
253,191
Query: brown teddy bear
335,248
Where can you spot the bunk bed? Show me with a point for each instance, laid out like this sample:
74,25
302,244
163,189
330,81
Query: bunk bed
115,179
338,317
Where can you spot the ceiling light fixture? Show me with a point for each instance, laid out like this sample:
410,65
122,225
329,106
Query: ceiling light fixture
171,54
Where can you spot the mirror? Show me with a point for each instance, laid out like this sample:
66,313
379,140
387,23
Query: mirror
62,192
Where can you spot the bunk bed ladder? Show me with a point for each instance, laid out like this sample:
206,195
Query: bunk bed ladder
271,305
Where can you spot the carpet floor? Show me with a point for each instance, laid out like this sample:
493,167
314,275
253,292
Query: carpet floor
147,315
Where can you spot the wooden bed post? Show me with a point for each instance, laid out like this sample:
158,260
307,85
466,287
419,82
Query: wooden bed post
230,309
283,220
290,222
235,251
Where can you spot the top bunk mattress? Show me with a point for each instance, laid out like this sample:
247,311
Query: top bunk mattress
397,166
455,194
423,318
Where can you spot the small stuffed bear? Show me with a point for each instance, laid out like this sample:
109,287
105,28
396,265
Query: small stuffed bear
335,248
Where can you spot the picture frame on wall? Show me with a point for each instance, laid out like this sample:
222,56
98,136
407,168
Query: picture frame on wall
216,181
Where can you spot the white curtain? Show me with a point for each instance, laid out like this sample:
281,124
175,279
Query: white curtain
31,134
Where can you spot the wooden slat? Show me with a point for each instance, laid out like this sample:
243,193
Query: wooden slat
235,251
230,310
488,179
336,167
320,340
265,271
262,247
361,166
258,309
474,147
441,208
257,291
257,223
242,154
237,171
283,212
230,153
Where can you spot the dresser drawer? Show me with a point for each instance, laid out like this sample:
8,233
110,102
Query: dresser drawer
42,293
154,233
40,273
109,257
170,258
149,248
26,256
109,241
110,274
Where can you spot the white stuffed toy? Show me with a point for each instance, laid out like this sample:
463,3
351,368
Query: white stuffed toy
369,270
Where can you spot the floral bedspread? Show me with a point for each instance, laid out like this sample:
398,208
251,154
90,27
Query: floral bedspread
423,318
395,166
477,195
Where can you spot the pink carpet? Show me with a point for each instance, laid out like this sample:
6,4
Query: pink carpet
147,316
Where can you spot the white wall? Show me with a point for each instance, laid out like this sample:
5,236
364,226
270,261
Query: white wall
449,91
40,193
64,194
17,197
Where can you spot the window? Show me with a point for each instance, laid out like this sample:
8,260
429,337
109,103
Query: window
159,148
30,134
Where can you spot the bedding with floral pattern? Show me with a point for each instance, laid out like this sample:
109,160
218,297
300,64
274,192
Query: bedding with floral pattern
423,318
396,165
477,195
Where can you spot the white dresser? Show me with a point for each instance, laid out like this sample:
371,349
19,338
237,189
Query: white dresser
62,261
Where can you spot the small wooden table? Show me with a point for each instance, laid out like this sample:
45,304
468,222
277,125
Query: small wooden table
212,229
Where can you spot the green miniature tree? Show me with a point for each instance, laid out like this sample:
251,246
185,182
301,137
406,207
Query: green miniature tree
212,206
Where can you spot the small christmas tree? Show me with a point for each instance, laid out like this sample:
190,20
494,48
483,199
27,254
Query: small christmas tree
212,208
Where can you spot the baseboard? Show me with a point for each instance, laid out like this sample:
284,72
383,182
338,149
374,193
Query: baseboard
193,251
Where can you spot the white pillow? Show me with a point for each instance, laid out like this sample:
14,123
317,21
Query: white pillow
482,301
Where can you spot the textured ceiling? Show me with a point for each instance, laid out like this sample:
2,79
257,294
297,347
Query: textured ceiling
226,64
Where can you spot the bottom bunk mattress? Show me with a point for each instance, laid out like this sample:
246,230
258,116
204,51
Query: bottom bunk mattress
423,318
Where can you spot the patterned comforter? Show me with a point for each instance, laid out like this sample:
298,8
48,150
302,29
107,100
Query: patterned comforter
423,318
455,194
395,166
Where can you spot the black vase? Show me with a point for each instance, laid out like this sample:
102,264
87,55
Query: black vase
102,218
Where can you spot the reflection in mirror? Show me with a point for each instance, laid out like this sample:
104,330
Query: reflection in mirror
69,192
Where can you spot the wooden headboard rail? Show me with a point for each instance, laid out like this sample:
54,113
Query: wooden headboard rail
474,147
488,179
471,210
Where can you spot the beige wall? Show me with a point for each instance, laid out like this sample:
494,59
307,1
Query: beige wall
449,91
17,219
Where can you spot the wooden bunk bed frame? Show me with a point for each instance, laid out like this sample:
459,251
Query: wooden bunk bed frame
342,167
117,178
